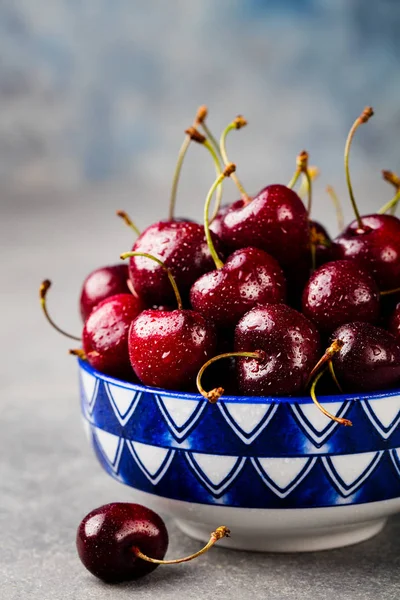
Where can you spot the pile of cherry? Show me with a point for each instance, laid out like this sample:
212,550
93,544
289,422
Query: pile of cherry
261,286
258,284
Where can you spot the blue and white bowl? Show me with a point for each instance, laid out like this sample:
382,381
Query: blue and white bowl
278,472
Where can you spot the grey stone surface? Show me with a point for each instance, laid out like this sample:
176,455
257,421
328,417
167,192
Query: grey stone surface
49,478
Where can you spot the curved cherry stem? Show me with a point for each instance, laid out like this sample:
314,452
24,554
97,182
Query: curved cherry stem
303,189
211,138
199,118
229,169
335,347
333,375
339,420
213,395
43,289
388,292
168,272
391,204
216,535
302,167
338,206
393,179
196,136
363,118
128,221
237,123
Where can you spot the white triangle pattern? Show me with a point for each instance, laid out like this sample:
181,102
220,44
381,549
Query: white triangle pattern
350,471
247,418
180,414
215,471
384,414
395,453
283,475
316,424
153,461
123,401
111,446
89,385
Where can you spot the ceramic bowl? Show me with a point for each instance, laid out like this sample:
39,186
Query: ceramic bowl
279,473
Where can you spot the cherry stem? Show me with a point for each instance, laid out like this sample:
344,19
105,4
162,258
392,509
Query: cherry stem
196,136
302,167
339,420
314,173
333,375
128,221
216,535
168,272
394,179
78,352
213,395
199,118
335,347
388,292
229,169
391,204
237,123
44,287
363,118
210,136
338,206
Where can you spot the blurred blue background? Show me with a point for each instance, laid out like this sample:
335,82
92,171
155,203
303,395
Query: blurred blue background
98,93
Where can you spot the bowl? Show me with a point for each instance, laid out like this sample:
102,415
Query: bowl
276,471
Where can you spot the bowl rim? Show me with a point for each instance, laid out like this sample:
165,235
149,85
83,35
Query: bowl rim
138,387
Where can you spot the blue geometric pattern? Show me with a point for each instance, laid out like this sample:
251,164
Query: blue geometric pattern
247,452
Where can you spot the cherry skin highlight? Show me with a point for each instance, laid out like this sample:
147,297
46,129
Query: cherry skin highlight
369,359
376,248
101,284
105,335
290,345
182,247
275,221
167,349
340,292
107,535
249,277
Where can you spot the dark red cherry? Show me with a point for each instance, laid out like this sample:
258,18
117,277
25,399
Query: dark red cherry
249,277
101,284
369,359
291,345
107,536
167,349
377,248
275,221
182,247
394,323
340,292
216,224
105,334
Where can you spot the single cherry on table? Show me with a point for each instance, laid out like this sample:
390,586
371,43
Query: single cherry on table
122,542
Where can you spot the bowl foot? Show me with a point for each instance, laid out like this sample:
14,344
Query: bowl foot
292,541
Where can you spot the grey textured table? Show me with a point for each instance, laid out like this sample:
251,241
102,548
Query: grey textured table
48,476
